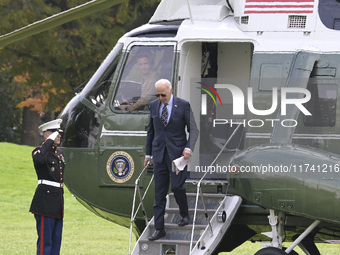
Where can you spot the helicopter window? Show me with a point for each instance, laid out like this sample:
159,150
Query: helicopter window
97,91
144,66
322,105
329,12
82,126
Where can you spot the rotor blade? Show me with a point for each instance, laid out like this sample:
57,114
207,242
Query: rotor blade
57,20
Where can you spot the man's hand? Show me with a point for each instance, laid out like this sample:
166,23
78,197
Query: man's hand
123,107
147,161
186,153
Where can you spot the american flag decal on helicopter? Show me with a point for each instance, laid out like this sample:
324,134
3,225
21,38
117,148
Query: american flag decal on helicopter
279,6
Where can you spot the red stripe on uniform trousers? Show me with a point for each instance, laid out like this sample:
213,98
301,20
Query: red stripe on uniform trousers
42,229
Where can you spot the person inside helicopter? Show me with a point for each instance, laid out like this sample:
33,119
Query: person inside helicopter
149,76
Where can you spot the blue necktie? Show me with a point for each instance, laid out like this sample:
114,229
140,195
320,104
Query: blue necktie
164,115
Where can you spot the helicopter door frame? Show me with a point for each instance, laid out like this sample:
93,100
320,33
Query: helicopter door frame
123,132
230,63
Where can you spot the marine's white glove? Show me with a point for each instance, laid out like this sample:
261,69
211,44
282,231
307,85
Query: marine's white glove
54,135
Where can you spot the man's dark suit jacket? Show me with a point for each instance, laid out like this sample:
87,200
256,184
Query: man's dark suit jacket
172,137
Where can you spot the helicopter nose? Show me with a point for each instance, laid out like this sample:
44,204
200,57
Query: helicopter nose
80,125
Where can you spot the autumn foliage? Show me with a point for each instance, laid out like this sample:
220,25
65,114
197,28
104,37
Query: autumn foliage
40,73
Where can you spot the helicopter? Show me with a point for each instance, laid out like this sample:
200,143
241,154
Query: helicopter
261,78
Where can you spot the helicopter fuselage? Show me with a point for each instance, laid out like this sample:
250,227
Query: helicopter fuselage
284,154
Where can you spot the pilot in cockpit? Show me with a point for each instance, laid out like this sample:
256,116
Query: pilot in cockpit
149,76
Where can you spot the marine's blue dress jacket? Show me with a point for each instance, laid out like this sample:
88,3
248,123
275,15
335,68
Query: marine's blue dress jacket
49,165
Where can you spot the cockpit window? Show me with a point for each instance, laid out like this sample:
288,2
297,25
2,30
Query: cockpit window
144,66
98,90
322,105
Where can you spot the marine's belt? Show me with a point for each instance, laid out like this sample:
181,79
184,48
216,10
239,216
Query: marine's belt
51,183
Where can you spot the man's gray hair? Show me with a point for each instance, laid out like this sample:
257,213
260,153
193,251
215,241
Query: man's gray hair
163,82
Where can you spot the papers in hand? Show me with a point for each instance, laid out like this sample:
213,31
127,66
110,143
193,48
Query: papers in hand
179,164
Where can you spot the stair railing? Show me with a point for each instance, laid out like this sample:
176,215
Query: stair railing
199,191
141,198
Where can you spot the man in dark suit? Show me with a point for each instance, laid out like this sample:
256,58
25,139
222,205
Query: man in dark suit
166,141
48,201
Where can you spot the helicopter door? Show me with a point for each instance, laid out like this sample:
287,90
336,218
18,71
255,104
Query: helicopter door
123,133
203,65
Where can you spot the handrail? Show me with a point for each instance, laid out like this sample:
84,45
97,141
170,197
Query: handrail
199,191
133,212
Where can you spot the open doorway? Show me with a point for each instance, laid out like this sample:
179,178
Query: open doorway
203,65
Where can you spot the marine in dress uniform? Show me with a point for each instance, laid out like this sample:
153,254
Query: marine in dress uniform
48,201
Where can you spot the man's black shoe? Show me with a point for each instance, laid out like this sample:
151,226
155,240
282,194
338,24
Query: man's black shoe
184,221
157,234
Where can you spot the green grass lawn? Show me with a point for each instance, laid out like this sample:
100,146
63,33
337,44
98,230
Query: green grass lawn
84,233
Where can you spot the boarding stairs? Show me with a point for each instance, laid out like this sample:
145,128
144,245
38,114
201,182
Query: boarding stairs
211,214
219,208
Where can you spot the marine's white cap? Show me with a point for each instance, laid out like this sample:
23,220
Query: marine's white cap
51,125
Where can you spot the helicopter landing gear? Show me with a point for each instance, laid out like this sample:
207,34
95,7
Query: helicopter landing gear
300,240
272,251
276,220
308,245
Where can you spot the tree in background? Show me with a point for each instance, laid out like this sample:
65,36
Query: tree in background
10,115
39,74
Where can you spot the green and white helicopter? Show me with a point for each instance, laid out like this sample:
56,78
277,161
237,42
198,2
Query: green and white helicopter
262,80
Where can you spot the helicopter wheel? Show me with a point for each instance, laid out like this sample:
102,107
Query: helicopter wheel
273,251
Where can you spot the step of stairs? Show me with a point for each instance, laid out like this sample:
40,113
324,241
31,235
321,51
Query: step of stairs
172,216
163,247
212,201
177,239
174,232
